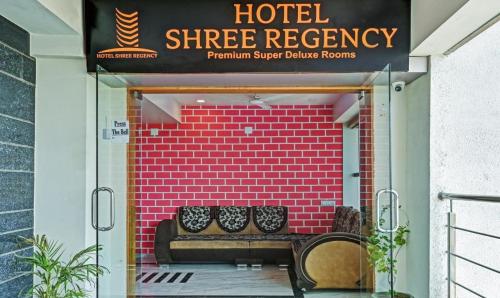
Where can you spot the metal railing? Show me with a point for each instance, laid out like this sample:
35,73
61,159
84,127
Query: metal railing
452,228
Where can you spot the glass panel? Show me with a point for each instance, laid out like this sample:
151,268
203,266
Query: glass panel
112,198
377,198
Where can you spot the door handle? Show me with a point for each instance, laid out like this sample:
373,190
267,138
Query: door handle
394,196
111,208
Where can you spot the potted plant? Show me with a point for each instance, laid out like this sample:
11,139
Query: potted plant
55,277
379,248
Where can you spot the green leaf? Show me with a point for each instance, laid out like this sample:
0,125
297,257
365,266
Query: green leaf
379,245
56,277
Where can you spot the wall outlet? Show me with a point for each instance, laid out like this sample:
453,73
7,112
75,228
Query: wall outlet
328,203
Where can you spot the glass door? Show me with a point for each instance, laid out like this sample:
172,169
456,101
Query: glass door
378,200
112,213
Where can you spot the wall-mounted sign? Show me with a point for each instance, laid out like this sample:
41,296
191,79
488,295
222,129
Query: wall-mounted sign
118,133
214,36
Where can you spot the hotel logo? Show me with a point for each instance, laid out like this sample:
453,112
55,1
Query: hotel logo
127,39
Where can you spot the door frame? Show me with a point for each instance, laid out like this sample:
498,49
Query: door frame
131,171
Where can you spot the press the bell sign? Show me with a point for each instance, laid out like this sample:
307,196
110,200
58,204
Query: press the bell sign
118,133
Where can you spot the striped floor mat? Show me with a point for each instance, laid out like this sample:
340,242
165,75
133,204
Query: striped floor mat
164,277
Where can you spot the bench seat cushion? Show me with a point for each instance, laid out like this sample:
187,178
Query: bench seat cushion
270,244
237,241
214,244
240,237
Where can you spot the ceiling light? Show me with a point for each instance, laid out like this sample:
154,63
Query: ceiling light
200,101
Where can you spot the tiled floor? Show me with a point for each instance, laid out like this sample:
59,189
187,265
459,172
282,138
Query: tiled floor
213,280
219,280
333,294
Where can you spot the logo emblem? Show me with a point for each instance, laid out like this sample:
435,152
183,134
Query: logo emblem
127,38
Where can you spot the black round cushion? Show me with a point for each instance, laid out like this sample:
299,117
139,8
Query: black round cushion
195,219
270,219
232,219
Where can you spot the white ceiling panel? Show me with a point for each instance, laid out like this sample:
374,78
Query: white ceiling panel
244,99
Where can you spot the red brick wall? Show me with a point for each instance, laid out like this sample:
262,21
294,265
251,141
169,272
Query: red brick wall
292,158
366,155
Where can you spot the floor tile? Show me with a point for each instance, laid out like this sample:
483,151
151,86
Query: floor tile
220,280
213,280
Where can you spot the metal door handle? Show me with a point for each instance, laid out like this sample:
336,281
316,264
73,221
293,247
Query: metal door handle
394,196
111,210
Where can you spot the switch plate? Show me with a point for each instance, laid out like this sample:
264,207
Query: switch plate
106,134
248,130
328,203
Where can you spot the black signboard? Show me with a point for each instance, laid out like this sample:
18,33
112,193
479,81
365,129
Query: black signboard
217,36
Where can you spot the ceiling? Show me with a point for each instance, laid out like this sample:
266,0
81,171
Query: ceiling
235,79
38,17
417,67
244,99
248,79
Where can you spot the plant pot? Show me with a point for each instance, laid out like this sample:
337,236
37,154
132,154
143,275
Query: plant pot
387,295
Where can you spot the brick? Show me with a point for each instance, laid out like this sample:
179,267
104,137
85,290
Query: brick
303,216
279,195
186,196
240,161
247,112
240,203
198,168
224,147
243,188
248,154
272,175
234,168
231,112
215,196
209,161
262,112
247,195
241,175
215,154
223,133
232,196
217,182
264,195
208,133
239,147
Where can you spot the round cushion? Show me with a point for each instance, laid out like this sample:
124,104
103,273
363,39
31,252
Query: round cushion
233,219
195,219
270,219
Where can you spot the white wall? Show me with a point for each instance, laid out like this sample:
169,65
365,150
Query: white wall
464,138
90,158
381,117
415,202
399,170
65,162
60,157
399,161
350,165
410,178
